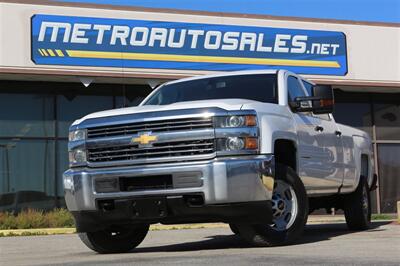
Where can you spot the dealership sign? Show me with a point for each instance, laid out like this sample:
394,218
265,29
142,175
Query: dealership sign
103,42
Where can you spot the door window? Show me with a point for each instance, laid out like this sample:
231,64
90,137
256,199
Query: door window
294,88
308,86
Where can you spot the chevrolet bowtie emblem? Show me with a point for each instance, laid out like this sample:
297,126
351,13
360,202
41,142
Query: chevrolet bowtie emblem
144,138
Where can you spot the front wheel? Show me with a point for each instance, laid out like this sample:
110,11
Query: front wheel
115,240
289,209
357,207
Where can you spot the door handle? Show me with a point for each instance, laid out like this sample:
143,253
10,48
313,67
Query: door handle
338,133
319,128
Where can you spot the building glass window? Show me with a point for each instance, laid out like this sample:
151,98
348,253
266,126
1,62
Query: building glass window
357,115
62,166
131,95
74,106
34,122
389,176
27,174
26,115
362,110
387,121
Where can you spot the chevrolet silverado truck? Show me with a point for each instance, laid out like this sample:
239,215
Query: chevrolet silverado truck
259,150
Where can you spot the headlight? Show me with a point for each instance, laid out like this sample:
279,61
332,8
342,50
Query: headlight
77,156
237,144
237,133
236,121
234,144
75,135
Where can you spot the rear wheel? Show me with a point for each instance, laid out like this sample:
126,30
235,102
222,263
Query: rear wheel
289,209
357,207
115,240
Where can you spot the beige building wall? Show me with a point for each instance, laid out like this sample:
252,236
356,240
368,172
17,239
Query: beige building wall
373,51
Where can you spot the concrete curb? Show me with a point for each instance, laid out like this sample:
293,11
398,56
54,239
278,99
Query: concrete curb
61,231
398,211
38,231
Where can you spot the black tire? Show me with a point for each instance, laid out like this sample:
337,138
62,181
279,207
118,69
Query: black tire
234,228
115,240
264,235
357,207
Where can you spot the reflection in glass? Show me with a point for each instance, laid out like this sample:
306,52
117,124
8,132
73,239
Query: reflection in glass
294,88
72,107
357,115
26,115
131,95
27,174
387,120
62,166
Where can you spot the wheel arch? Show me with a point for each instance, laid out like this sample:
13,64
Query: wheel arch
285,151
364,160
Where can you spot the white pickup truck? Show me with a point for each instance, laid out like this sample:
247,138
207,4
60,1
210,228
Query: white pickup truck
259,150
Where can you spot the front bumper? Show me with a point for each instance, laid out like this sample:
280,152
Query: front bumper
220,181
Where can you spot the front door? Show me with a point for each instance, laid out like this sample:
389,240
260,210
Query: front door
311,152
330,138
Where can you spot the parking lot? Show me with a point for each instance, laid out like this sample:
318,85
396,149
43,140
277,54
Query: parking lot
328,244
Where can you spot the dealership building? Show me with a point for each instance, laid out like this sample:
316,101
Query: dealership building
60,60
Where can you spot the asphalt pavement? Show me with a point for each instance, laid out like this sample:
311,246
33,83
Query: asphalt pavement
325,244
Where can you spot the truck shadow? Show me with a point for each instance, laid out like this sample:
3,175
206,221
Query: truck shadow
322,232
312,234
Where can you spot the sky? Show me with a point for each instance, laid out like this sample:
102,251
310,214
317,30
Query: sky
358,10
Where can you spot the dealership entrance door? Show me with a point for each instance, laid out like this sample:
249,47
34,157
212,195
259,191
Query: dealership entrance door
379,115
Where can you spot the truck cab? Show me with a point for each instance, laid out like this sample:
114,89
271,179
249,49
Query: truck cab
258,150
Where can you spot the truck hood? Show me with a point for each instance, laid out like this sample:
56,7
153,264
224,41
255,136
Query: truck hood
226,104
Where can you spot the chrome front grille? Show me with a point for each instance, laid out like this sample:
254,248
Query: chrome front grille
173,149
185,124
180,139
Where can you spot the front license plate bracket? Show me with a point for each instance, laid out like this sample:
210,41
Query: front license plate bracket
149,208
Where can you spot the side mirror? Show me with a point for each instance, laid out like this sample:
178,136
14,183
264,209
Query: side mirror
324,102
321,102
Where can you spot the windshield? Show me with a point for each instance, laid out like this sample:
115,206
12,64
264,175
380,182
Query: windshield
258,87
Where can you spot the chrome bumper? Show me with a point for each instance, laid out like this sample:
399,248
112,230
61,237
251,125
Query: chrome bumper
220,181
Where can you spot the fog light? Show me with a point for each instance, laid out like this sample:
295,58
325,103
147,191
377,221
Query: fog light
107,185
234,143
68,182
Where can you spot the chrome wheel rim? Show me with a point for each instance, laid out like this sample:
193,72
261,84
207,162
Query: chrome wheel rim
284,206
